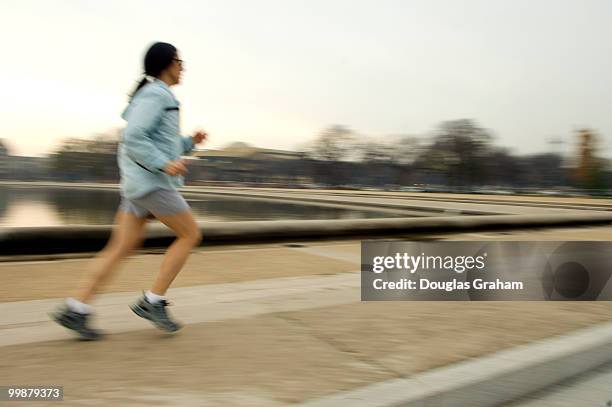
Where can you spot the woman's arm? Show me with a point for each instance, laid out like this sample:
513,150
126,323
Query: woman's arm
187,144
144,116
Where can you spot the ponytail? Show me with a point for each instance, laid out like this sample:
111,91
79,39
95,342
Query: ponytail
158,57
142,83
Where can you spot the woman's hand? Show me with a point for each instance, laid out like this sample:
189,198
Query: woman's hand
175,168
199,136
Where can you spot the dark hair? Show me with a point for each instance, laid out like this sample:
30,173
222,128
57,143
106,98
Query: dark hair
158,57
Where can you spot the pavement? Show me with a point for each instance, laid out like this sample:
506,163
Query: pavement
266,325
591,389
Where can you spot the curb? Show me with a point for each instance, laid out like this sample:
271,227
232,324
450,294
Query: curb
61,239
490,380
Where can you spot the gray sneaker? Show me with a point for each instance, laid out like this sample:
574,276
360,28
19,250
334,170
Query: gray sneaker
76,322
156,313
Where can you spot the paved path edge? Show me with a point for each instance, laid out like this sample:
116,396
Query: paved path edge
490,380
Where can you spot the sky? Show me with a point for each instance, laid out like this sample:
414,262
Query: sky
276,73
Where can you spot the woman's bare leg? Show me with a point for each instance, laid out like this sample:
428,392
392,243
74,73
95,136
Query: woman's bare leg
127,235
188,236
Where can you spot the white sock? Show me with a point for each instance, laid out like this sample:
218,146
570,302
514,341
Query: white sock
154,298
78,306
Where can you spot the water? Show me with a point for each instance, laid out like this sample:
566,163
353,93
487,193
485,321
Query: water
43,206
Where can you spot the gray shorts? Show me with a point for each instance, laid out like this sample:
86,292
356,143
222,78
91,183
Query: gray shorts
161,202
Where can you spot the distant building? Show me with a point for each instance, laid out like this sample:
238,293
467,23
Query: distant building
242,150
27,168
14,167
242,162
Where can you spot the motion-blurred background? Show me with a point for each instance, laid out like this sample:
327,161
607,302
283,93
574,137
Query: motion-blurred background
473,120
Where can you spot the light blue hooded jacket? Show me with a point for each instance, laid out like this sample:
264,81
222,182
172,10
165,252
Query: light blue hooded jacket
151,139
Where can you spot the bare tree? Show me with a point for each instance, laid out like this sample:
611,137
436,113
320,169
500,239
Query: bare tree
463,147
376,152
333,144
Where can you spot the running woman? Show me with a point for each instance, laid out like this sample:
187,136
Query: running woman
151,169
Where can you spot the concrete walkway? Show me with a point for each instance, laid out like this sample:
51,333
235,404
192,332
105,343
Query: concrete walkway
24,322
267,325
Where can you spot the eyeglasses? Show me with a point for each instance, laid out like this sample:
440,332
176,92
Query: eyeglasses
180,61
